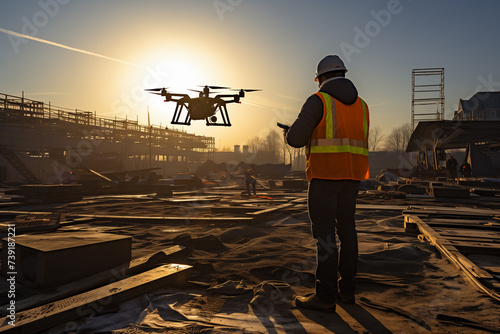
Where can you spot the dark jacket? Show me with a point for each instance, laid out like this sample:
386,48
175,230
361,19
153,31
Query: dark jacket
311,113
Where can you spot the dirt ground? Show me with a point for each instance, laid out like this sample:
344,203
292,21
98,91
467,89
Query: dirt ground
247,274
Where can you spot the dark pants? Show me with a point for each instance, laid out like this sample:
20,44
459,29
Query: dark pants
332,206
453,173
250,181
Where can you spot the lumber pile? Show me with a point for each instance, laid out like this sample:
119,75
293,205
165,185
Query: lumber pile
92,295
470,239
92,302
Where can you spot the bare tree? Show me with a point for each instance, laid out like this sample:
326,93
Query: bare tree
256,144
375,137
399,138
270,147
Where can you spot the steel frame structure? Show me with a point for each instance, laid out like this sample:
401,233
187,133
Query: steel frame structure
427,94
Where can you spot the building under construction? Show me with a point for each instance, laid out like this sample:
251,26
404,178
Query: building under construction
39,143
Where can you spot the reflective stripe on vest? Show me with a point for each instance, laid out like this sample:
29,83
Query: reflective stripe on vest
331,144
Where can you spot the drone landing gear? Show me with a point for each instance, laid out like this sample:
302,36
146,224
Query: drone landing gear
177,115
212,120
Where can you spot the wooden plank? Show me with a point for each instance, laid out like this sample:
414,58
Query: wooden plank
476,222
10,204
467,239
13,214
162,220
472,234
381,207
234,209
252,200
475,247
298,208
473,225
450,211
449,251
32,223
265,212
299,201
490,263
76,221
92,302
191,200
90,282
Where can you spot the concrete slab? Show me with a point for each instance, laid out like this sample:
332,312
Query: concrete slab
58,258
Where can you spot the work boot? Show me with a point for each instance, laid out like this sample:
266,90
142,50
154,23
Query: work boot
347,298
313,302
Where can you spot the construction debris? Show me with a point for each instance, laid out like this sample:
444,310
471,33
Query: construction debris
471,244
248,241
93,302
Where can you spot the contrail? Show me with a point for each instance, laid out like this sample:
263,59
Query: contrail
13,33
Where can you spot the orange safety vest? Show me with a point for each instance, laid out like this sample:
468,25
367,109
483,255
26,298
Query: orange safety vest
338,147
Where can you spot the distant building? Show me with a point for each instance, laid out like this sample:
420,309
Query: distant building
483,106
41,143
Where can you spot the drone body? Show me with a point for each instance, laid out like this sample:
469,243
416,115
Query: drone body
202,107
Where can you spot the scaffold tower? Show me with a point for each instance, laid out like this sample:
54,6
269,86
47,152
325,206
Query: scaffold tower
427,97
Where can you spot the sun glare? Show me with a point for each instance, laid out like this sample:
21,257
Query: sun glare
180,75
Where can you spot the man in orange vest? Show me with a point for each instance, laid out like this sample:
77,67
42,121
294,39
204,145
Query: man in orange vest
333,124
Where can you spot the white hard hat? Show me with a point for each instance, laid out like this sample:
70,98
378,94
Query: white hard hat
328,64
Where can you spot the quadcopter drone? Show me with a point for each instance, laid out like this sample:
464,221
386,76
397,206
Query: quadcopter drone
203,106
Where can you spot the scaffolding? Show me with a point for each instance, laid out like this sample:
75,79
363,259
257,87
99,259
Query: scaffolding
34,129
427,86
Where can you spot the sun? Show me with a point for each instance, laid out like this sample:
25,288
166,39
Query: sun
180,75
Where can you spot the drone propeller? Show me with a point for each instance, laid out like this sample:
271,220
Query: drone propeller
248,90
215,87
242,91
155,89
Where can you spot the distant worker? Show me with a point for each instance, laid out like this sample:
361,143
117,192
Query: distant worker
451,166
465,169
420,168
333,123
250,181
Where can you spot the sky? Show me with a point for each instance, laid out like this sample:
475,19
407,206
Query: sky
100,55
